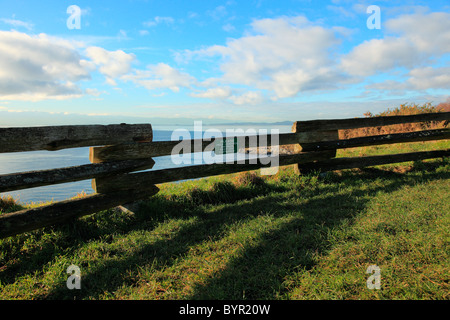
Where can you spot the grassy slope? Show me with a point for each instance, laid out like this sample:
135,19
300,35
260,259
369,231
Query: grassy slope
284,237
243,237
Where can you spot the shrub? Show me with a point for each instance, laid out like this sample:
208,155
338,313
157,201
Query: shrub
404,109
247,179
9,204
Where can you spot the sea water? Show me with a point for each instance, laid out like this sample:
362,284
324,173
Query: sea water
41,160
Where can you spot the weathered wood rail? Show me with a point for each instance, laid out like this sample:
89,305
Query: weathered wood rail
120,153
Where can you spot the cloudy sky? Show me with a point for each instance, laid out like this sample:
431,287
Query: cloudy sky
255,60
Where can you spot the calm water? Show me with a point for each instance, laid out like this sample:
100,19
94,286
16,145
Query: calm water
41,160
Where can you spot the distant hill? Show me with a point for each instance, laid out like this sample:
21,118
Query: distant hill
280,123
41,118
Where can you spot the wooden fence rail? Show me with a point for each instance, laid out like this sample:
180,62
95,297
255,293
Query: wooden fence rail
32,179
63,137
119,154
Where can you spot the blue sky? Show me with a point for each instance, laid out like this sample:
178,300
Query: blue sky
255,60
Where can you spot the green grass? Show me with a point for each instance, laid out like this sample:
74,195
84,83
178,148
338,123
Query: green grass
248,237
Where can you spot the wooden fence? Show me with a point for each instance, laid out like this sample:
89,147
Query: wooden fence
120,154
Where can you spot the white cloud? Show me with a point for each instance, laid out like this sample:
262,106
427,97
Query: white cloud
214,93
414,39
218,12
55,67
160,76
248,98
93,92
276,58
418,79
430,33
228,27
234,96
122,34
380,55
113,64
159,20
413,51
193,15
430,78
18,23
284,55
289,56
50,72
341,11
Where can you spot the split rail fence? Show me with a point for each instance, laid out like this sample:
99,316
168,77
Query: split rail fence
121,156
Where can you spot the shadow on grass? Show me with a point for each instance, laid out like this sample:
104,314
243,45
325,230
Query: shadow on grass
27,253
260,271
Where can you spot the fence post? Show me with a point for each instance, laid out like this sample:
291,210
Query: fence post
314,136
129,207
126,207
